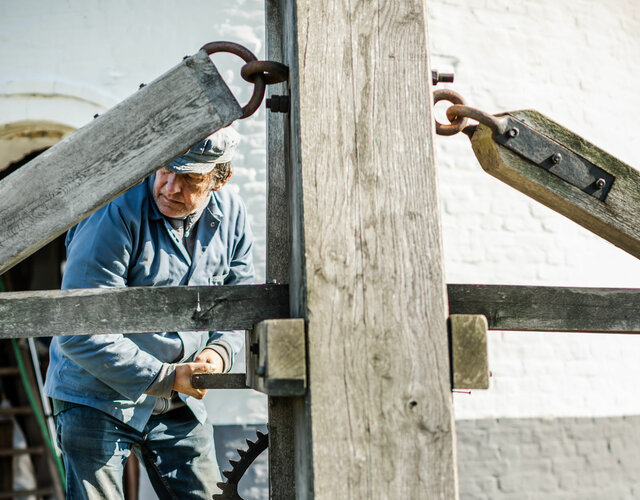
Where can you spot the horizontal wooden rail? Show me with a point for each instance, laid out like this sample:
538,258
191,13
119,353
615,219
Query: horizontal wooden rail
139,309
550,309
152,309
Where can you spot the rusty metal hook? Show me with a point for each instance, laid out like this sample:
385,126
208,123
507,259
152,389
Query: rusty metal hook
457,122
273,72
459,113
244,53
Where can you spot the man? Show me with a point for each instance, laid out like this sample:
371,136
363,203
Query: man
115,393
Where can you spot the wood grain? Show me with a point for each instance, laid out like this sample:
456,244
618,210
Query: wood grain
112,153
378,418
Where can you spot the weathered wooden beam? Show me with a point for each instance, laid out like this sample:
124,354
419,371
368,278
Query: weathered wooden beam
104,158
367,270
553,309
139,309
281,448
614,218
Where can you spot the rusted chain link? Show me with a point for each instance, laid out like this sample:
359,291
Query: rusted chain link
457,123
260,73
459,113
273,72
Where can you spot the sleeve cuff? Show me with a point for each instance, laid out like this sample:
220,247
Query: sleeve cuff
224,350
162,386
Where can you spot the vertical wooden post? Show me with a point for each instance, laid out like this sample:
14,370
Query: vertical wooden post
281,444
366,263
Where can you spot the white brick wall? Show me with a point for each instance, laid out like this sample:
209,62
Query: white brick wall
576,63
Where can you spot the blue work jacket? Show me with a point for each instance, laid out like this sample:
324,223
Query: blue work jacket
128,242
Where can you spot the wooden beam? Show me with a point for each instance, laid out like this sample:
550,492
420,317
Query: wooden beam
139,309
112,153
281,416
219,380
367,272
550,309
615,218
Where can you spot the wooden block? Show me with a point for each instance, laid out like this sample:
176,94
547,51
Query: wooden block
276,359
615,218
469,355
112,153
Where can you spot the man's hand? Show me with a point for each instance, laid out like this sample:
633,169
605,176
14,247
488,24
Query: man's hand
182,381
212,357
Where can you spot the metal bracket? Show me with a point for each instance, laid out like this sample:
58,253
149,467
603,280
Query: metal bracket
276,357
555,158
469,354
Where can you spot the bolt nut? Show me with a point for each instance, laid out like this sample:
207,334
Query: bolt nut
279,103
600,183
513,132
556,158
261,371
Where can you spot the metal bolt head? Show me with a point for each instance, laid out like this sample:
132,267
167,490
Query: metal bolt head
600,183
513,132
556,158
261,371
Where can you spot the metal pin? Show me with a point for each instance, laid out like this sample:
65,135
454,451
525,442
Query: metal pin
600,183
198,308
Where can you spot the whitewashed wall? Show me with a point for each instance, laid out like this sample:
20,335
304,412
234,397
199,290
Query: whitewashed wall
576,62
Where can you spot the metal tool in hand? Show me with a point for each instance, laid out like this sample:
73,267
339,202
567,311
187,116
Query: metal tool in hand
554,166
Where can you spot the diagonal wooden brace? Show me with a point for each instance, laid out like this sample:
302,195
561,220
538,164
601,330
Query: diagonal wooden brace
613,217
112,153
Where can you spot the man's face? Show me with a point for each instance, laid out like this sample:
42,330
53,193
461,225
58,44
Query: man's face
178,195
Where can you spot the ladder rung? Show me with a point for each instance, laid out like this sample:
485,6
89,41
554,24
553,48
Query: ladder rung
9,370
34,450
25,493
16,410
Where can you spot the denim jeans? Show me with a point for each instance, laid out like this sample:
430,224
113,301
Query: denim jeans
175,449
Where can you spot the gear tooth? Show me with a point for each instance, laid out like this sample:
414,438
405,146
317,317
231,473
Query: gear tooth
233,463
222,486
227,473
260,434
216,496
242,453
250,443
